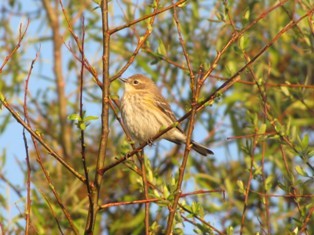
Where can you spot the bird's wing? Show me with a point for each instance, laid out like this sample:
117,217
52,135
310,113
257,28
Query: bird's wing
164,106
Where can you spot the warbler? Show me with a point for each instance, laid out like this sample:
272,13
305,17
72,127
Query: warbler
145,112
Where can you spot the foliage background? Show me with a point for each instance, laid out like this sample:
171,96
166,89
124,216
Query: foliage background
261,130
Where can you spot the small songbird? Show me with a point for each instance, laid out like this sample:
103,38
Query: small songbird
145,112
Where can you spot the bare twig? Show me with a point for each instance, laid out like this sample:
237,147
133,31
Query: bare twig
306,221
28,187
113,204
145,186
77,41
83,148
114,30
248,186
38,158
53,213
200,219
17,46
177,193
140,44
237,35
104,118
12,186
198,192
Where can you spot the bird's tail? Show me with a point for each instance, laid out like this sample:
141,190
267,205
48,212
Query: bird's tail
201,149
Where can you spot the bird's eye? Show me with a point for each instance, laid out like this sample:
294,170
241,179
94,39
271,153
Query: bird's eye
135,82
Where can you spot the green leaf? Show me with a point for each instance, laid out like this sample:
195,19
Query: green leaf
161,48
247,15
1,97
90,118
240,186
82,126
301,171
305,141
269,182
74,117
243,42
182,4
262,129
295,231
230,230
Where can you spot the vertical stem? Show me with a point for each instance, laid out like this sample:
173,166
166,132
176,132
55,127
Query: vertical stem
83,148
145,186
248,187
94,207
195,93
28,185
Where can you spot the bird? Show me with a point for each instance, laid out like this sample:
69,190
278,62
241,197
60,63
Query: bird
145,112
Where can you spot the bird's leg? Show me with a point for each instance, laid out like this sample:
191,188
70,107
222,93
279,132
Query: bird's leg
149,142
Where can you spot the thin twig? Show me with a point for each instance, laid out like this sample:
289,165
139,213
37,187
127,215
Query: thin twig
183,195
140,44
248,186
145,187
91,219
53,213
77,41
114,30
200,219
28,186
263,95
306,221
28,181
237,35
113,204
38,159
177,193
17,46
12,186
83,146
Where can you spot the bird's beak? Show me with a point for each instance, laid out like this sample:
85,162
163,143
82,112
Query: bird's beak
122,80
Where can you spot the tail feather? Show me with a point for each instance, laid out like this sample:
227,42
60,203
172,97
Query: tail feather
201,149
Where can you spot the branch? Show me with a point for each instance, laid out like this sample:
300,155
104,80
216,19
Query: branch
114,30
237,35
38,159
140,44
104,118
83,146
17,46
195,93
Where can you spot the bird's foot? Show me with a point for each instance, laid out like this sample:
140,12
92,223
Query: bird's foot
149,142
